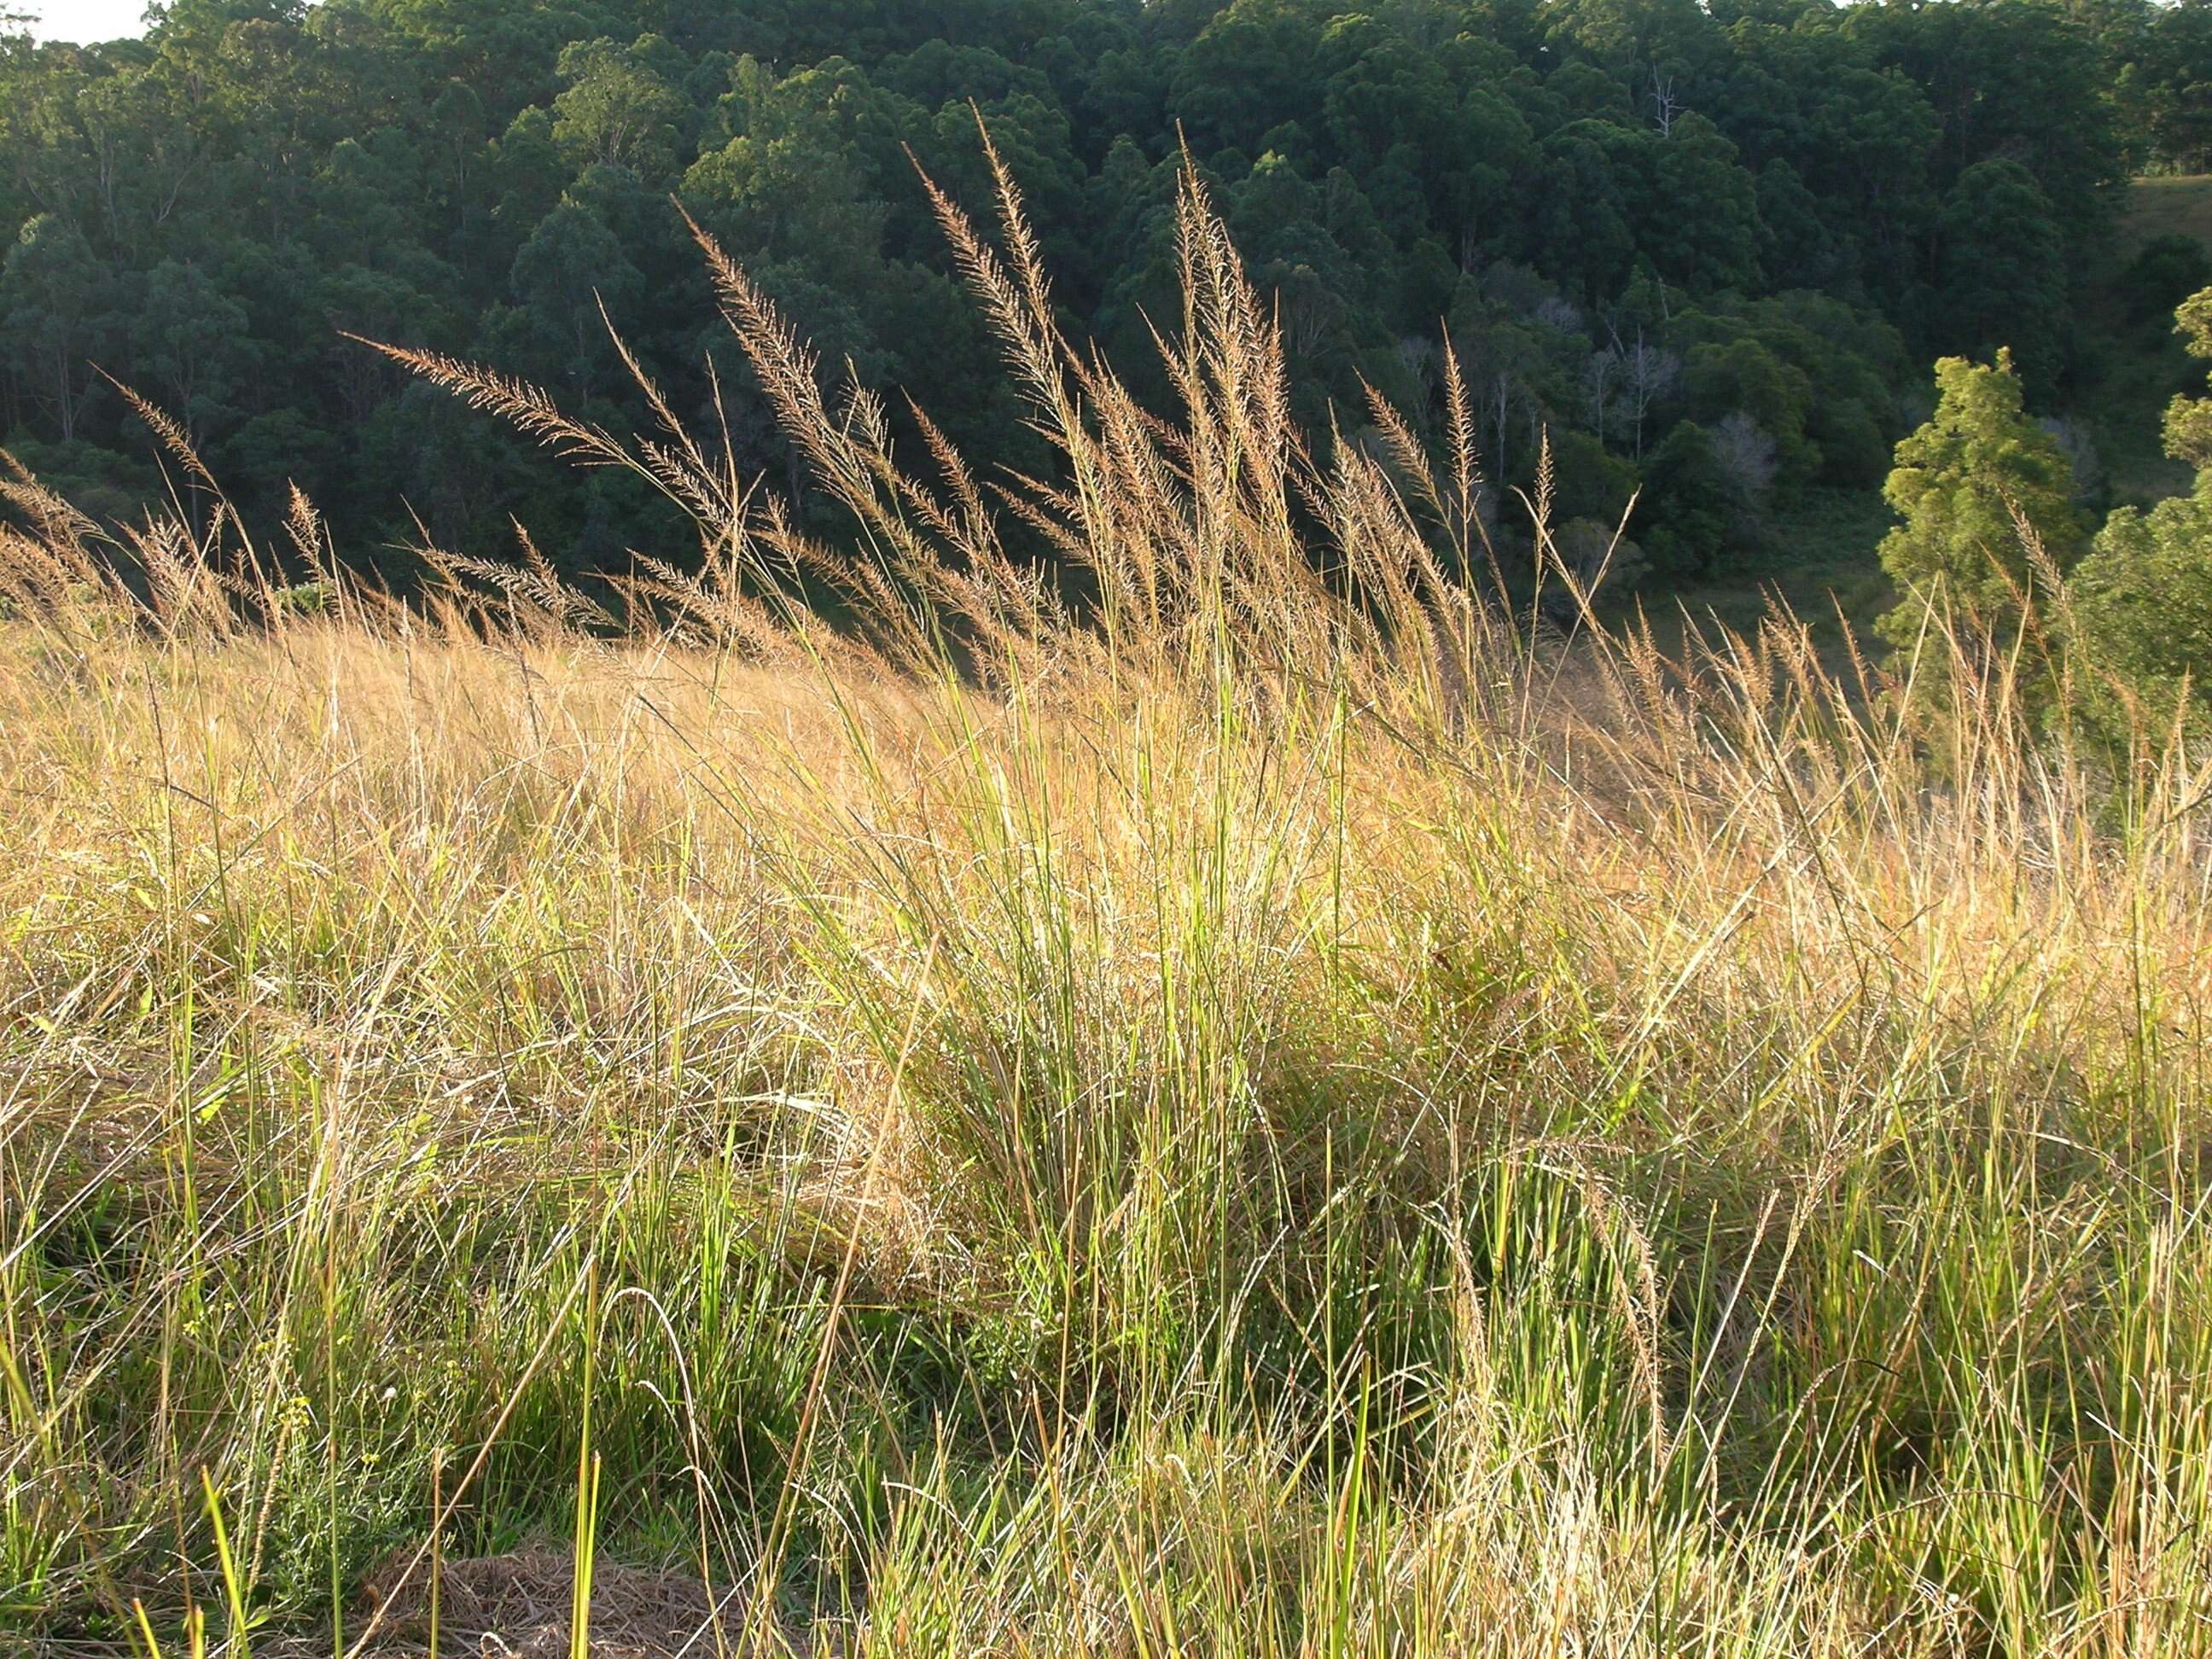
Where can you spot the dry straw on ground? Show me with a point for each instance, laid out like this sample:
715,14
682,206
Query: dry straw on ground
517,1607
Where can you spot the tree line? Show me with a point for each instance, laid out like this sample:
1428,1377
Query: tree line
1704,251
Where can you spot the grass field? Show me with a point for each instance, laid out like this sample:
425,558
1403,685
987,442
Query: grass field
1273,1117
2170,204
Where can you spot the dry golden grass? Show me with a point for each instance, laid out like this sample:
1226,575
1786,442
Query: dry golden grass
1268,1111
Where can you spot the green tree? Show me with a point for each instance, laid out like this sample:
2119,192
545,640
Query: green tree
1689,507
2140,607
792,188
2166,270
2167,86
618,109
2003,271
2189,420
1743,377
1257,66
192,346
57,298
1583,216
2141,604
569,268
2015,80
1965,484
1700,222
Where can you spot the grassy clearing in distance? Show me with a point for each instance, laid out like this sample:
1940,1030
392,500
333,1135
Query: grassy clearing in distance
2168,204
1275,1116
1832,582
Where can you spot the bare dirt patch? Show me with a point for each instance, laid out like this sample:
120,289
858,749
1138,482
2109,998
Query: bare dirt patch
517,1607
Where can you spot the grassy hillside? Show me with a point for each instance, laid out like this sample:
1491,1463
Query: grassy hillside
2170,204
1275,1117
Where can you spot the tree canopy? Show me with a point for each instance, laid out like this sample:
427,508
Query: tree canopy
1701,245
1977,486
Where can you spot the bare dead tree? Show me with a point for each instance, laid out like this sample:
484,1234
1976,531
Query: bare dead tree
1600,379
1747,453
1650,374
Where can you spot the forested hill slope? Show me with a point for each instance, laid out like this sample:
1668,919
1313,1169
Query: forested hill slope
1712,250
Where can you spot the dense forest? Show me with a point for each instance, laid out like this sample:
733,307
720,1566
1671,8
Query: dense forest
1712,250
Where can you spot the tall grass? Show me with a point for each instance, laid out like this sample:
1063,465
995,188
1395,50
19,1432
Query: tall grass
1239,1103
